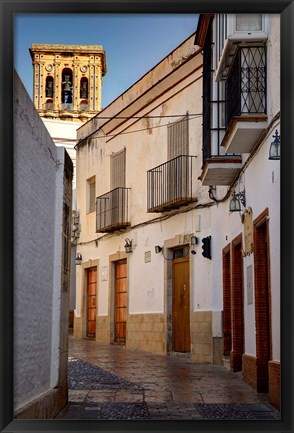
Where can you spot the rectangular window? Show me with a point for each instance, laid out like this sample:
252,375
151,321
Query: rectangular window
248,22
178,138
91,194
118,169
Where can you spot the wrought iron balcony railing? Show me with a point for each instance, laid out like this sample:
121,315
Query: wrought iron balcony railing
246,85
169,185
112,211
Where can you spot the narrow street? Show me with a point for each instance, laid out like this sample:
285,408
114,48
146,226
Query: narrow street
112,382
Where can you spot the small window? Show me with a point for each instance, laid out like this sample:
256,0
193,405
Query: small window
91,194
180,253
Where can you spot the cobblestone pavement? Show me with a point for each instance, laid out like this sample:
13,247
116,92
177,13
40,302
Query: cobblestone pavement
112,382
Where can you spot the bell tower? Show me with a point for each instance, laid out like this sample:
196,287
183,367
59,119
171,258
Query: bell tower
68,80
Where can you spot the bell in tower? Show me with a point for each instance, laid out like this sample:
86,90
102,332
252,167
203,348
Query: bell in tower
66,97
68,80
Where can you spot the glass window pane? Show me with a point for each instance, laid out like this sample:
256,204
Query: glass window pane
248,22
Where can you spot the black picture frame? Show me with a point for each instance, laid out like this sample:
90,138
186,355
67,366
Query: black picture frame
10,7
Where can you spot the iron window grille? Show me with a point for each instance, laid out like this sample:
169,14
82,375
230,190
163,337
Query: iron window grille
245,93
112,210
246,85
169,185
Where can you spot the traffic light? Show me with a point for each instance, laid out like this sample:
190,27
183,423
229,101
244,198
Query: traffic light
206,250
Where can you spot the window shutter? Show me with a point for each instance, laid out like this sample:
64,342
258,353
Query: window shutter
92,195
178,138
118,169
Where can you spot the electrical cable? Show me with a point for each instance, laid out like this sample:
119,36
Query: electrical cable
90,136
158,219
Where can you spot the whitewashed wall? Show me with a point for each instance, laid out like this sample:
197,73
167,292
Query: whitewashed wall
38,198
144,150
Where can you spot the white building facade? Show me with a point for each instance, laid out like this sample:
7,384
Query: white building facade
117,166
241,139
156,171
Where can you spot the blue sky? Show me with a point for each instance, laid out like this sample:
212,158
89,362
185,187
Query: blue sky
134,43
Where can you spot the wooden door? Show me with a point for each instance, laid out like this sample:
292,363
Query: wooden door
181,305
120,302
91,302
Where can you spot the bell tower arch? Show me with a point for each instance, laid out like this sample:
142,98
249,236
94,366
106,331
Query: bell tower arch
68,80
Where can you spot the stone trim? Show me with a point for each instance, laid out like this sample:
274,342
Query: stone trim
46,406
147,332
249,370
274,383
201,336
103,329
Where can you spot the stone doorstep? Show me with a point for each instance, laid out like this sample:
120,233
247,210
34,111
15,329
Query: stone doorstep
227,362
180,355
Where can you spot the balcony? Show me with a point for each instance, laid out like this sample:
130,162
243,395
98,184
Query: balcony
246,116
169,185
112,211
220,170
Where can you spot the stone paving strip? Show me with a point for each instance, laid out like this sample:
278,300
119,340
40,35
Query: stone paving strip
176,393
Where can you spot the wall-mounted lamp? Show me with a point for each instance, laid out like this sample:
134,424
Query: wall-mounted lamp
158,249
128,245
274,152
79,259
194,240
236,200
